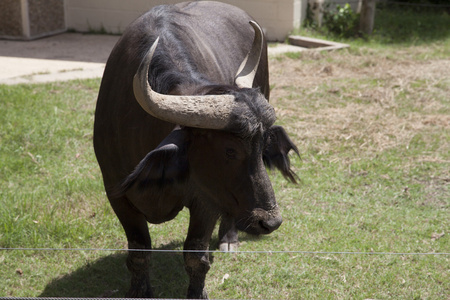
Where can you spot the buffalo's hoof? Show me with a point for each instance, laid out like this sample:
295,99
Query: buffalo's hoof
228,247
200,294
143,292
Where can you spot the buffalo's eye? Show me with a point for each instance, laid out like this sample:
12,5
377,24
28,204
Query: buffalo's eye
230,153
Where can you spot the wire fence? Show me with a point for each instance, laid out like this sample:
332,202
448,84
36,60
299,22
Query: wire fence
234,252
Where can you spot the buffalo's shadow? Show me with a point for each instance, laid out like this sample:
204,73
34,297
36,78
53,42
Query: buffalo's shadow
109,277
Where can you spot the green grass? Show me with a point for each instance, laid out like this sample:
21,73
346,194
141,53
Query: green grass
372,126
398,26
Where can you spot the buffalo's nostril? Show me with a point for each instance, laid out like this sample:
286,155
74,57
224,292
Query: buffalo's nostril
263,227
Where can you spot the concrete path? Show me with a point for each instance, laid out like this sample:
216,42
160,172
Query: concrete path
65,56
56,58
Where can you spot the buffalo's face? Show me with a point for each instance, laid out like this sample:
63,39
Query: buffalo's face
230,171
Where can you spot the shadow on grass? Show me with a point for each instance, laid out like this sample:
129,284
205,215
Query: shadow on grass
109,277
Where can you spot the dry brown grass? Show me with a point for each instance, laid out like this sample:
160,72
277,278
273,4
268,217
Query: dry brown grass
364,100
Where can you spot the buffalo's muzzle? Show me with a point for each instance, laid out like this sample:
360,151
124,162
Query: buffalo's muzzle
261,221
270,224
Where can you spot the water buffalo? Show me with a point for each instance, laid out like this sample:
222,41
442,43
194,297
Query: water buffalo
183,120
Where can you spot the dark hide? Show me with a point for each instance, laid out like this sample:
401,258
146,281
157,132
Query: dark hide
152,169
161,167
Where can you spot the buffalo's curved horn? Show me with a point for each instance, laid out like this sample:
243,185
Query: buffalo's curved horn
246,72
209,112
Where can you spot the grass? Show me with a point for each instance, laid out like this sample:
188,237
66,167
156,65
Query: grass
372,126
397,26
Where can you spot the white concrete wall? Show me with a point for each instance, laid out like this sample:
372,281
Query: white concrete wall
110,15
277,17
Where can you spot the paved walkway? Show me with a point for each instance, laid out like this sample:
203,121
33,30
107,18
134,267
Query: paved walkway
63,57
60,57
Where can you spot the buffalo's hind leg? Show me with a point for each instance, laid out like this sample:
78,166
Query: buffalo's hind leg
228,235
138,262
197,263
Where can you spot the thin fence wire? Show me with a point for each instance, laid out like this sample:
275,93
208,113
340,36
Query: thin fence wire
234,252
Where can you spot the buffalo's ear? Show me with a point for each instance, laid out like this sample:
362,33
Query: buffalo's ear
165,165
277,147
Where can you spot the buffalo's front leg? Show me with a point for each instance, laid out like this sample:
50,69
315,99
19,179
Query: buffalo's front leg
228,235
136,229
197,263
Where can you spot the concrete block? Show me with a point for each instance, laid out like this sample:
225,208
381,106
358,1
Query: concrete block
30,19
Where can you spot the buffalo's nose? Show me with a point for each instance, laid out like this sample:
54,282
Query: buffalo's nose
270,224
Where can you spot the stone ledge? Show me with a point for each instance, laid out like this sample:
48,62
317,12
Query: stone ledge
316,44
